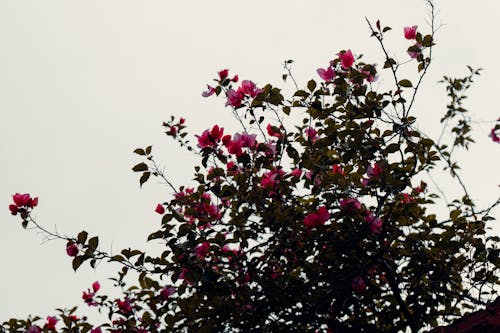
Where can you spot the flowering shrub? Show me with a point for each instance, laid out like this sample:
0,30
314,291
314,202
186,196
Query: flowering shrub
326,227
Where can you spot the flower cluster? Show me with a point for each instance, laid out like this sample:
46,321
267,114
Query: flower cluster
88,296
22,203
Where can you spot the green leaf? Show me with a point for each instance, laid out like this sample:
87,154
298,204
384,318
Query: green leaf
140,151
144,178
82,237
392,148
140,167
405,83
93,242
311,85
148,150
77,262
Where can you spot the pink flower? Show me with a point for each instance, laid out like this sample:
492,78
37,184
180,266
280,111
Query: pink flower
374,222
337,170
51,323
13,209
72,250
34,329
234,98
374,170
273,131
223,74
209,92
167,291
317,219
406,198
210,138
326,74
415,50
249,88
493,135
410,32
311,134
346,59
271,178
239,141
96,330
350,204
296,172
124,306
160,209
22,201
96,286
358,284
202,249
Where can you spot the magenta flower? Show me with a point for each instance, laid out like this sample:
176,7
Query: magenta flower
234,98
96,286
358,284
415,50
326,74
22,201
271,178
493,135
296,172
249,88
124,306
72,250
210,138
374,170
350,204
273,131
410,32
337,170
209,92
202,249
316,219
160,209
223,74
374,222
96,330
311,134
167,291
346,59
51,323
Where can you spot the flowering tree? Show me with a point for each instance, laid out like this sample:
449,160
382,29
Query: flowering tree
326,226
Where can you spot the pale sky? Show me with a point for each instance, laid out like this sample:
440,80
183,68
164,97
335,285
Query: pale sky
84,83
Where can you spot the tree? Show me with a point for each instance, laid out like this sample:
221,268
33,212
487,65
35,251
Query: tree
327,225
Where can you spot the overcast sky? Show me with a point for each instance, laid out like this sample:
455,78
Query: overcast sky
83,83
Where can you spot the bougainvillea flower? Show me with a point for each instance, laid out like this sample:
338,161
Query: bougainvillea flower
326,74
410,32
51,323
249,88
350,204
316,219
160,209
271,178
96,330
374,222
223,74
374,170
346,59
209,92
124,306
72,250
337,170
415,50
493,135
358,284
210,138
296,172
311,134
167,291
273,131
234,98
202,249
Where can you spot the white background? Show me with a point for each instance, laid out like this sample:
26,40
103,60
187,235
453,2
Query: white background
83,83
